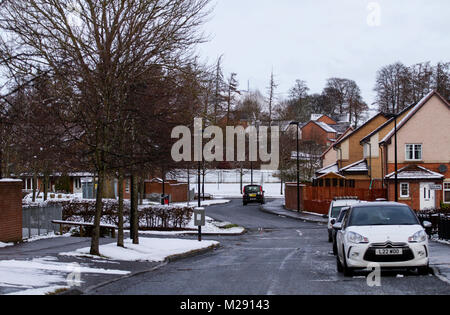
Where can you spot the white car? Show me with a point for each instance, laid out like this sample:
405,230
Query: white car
386,233
335,209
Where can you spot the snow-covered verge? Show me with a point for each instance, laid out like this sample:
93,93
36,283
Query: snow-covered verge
212,227
42,275
148,250
3,245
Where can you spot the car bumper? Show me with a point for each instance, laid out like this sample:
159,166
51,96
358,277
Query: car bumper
356,257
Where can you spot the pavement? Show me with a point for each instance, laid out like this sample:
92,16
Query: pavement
276,207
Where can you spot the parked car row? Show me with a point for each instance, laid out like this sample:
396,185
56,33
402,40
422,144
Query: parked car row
386,233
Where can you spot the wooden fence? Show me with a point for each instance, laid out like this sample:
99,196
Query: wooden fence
318,199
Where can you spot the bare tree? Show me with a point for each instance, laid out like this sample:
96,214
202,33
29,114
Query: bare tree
95,49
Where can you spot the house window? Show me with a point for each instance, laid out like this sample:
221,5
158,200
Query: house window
447,192
414,152
127,186
404,190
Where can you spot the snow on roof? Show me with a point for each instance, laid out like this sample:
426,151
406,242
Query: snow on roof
10,180
334,168
360,166
315,117
330,173
325,127
415,172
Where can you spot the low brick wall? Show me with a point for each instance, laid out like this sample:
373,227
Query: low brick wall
10,211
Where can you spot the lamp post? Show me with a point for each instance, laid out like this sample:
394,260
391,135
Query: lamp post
296,123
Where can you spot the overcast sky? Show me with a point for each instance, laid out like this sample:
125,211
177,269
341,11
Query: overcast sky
313,40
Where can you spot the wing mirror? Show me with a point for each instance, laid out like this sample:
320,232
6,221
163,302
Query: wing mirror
427,224
337,226
333,221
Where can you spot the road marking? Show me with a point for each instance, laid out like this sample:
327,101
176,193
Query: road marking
275,282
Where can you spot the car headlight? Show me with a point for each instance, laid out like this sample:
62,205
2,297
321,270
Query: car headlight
419,237
356,238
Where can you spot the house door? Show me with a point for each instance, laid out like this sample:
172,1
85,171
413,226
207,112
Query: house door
427,197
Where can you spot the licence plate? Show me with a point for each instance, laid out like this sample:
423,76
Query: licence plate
389,252
252,195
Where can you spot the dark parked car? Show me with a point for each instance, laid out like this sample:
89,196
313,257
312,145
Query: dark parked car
253,194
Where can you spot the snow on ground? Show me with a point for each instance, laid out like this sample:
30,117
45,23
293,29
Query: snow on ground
205,203
149,249
46,236
211,227
42,275
273,190
3,245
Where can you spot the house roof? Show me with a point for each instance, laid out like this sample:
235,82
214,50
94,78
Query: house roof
338,139
415,172
367,138
360,166
331,173
334,168
416,108
359,128
325,127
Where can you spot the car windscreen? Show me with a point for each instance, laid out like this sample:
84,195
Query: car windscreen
252,189
382,215
336,211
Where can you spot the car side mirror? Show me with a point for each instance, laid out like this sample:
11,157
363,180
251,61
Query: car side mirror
337,226
333,221
427,224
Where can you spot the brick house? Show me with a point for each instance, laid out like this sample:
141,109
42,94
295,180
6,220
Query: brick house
367,155
423,154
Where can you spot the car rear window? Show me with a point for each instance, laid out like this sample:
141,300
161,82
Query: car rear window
336,210
252,189
382,215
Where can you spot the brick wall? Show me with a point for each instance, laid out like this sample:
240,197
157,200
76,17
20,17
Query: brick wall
10,211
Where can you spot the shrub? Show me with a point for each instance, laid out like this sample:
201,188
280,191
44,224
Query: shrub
150,217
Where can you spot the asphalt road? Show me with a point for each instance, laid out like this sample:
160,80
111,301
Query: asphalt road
278,256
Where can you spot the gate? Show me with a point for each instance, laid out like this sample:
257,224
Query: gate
38,220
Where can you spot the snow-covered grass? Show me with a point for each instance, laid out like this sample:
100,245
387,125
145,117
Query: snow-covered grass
149,249
211,227
205,203
42,275
47,236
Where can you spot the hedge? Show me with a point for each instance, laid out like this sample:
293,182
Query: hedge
150,217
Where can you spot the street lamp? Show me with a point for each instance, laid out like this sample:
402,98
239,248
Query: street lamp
297,124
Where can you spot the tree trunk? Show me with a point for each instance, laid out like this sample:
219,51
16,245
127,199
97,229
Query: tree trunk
46,180
120,233
34,186
134,209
